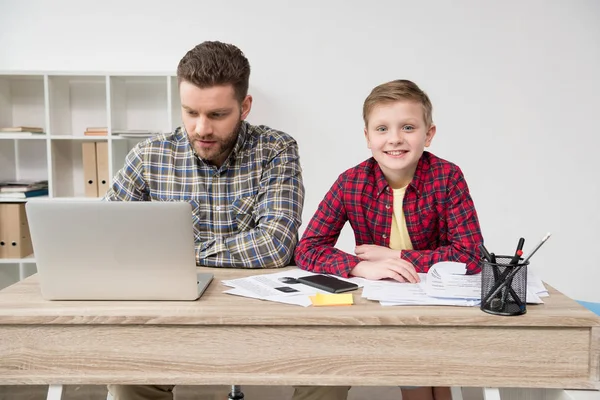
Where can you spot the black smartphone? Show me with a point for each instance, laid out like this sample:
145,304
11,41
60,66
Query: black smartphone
328,283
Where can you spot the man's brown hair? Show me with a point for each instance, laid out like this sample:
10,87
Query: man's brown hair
398,90
215,64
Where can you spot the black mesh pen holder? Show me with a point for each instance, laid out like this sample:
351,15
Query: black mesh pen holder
504,286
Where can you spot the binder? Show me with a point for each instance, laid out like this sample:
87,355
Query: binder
102,167
90,168
15,240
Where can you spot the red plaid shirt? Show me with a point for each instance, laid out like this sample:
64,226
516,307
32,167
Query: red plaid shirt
440,216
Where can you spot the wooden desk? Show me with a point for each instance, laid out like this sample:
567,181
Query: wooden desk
224,339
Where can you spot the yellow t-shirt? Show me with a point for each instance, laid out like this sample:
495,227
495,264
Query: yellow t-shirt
399,238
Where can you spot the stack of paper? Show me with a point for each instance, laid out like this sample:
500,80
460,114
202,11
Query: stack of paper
444,284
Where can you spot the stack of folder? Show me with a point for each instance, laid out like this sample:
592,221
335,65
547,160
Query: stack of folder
15,241
95,168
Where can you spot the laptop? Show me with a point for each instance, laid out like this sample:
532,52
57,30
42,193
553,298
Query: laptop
102,250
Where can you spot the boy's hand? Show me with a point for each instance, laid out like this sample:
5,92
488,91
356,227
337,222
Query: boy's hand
371,252
394,268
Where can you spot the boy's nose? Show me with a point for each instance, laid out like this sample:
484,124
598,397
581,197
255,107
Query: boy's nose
397,136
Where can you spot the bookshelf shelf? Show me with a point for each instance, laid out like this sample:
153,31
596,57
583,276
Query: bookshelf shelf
71,137
64,104
26,260
7,136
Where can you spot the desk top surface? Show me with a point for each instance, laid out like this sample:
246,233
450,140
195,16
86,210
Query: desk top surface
22,303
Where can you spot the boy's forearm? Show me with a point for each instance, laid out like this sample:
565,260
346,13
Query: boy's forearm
422,260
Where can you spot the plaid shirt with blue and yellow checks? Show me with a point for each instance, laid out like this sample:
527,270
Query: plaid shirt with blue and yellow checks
246,213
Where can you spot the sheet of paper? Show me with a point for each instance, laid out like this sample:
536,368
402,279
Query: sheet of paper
535,284
300,300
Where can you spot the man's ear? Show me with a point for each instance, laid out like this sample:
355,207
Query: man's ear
246,107
429,135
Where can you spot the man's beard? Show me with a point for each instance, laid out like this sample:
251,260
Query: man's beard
221,150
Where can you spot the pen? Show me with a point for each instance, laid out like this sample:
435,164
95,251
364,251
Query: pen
509,289
538,246
496,272
485,253
518,252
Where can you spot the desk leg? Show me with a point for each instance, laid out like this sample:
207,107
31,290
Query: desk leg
491,394
456,393
54,392
236,393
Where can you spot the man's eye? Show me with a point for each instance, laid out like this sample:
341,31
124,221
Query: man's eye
192,113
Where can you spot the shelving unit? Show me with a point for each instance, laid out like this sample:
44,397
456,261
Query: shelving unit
64,104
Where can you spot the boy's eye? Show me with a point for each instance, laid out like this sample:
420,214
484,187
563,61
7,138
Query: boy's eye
408,128
380,129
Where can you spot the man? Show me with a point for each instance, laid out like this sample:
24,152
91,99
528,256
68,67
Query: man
244,182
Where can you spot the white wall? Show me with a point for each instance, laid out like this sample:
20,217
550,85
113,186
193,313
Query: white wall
514,84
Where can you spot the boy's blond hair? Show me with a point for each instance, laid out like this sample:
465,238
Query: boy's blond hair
398,90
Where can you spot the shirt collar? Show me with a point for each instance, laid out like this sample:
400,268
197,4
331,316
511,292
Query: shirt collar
417,181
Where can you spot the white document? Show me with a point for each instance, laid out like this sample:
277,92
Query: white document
535,285
279,287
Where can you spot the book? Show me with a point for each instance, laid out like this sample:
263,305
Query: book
24,195
31,129
96,131
22,186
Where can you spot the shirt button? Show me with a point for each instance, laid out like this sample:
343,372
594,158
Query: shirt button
387,206
384,236
217,208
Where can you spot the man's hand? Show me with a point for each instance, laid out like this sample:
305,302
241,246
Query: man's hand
371,252
393,268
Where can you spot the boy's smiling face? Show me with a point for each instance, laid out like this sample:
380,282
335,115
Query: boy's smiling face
397,134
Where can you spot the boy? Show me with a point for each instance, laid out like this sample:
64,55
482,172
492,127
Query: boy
408,208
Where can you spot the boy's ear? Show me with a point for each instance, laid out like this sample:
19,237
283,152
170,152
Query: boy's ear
367,138
429,135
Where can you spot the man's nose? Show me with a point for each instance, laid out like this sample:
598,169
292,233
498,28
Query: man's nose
203,126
